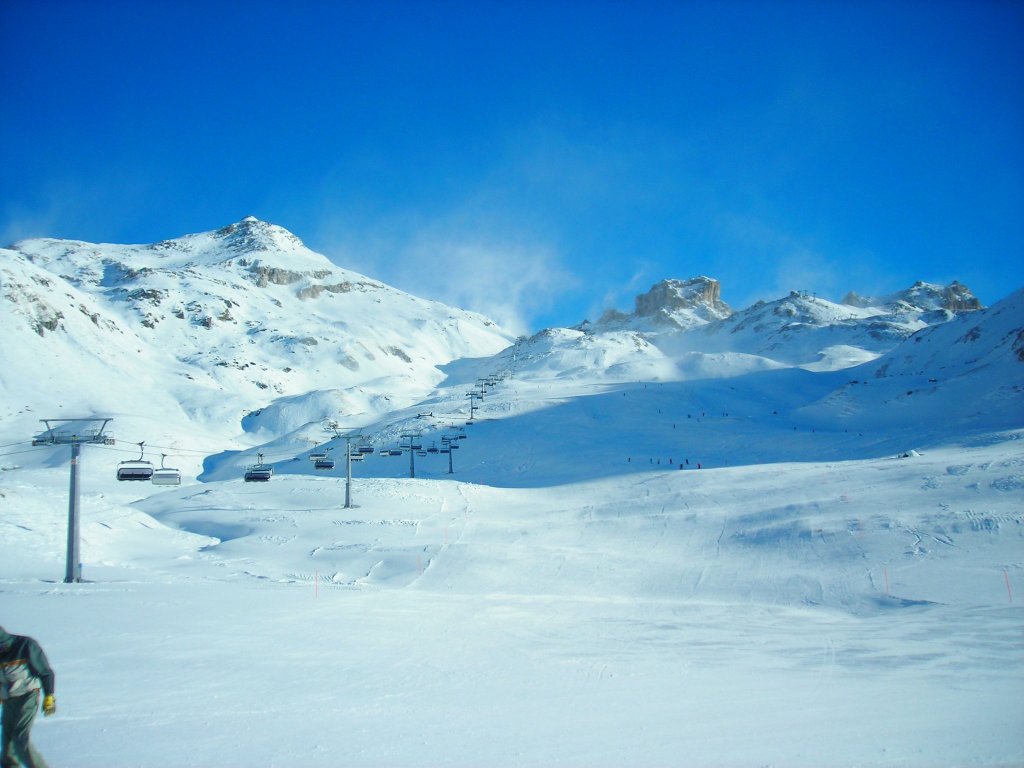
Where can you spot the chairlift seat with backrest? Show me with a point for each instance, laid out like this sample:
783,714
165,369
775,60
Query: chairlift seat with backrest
317,456
258,473
166,475
135,469
324,463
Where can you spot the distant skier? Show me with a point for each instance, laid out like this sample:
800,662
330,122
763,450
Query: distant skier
23,671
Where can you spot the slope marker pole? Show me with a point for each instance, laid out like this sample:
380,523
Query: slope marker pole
1006,575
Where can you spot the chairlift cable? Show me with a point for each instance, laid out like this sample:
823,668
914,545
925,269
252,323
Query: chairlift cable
27,450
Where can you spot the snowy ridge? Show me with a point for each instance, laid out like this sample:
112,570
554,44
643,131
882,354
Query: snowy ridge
217,325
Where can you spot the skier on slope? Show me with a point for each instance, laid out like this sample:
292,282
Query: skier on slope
23,671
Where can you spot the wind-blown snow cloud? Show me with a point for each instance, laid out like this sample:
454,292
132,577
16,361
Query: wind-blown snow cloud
507,277
507,281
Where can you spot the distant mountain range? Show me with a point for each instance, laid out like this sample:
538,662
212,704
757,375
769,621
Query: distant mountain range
242,335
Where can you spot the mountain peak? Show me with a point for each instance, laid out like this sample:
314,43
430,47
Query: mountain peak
253,234
673,303
955,297
672,294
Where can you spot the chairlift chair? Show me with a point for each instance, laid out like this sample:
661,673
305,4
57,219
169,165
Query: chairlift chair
323,463
135,469
317,456
166,475
258,474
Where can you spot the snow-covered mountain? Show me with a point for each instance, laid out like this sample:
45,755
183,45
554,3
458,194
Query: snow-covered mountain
956,377
239,341
683,330
204,329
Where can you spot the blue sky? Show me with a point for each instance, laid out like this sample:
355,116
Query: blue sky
537,161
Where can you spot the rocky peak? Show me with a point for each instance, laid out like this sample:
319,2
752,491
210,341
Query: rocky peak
668,296
922,296
253,235
957,297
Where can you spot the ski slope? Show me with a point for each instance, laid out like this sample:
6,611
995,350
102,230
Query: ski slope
856,612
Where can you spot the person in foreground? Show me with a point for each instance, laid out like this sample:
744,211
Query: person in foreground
23,671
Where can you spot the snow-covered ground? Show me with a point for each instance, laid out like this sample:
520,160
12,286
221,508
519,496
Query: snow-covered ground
855,612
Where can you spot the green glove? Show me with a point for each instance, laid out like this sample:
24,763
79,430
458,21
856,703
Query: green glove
49,705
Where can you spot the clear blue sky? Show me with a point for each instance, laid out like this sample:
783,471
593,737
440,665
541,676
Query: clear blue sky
537,161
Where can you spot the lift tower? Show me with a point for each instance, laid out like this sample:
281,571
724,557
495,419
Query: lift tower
73,432
349,458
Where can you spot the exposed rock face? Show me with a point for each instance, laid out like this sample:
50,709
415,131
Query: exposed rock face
250,235
955,297
679,294
266,275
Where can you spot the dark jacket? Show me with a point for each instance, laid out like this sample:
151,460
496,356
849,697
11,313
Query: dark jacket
23,666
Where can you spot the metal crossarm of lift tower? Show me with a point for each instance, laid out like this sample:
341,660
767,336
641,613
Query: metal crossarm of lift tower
55,434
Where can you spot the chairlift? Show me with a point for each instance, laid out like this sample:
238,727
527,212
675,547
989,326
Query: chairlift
365,449
317,456
394,453
421,453
323,463
259,472
445,450
165,475
135,469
